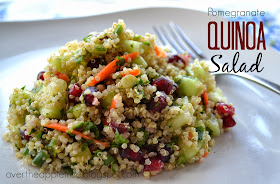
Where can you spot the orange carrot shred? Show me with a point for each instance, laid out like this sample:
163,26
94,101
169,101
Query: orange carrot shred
205,97
190,135
205,154
64,128
111,68
134,72
160,52
62,76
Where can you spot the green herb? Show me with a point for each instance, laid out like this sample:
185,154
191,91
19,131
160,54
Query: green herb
210,131
62,112
119,140
118,29
16,146
25,151
88,53
69,110
39,159
146,43
87,38
143,140
136,37
157,104
22,88
120,61
110,160
100,48
78,60
68,170
51,145
39,88
131,45
32,131
39,135
200,131
29,101
84,147
92,127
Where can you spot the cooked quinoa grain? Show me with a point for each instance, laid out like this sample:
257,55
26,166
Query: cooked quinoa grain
115,101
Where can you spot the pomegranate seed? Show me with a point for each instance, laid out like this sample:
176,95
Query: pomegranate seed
75,91
40,75
225,109
94,63
175,58
89,98
157,106
23,136
131,155
156,165
228,121
165,159
165,84
122,128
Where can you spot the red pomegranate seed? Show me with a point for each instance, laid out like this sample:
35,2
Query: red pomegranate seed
156,165
165,84
225,109
122,128
131,155
75,91
89,98
228,121
157,106
23,136
40,75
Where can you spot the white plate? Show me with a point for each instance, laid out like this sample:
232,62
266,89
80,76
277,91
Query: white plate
250,153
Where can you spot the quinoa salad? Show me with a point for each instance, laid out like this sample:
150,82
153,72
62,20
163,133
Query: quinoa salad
116,102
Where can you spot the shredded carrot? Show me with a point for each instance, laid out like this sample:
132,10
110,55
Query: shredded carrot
205,97
64,128
111,68
114,101
62,76
134,72
160,52
190,135
113,106
205,154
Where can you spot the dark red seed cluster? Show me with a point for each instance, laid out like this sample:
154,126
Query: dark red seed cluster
131,155
157,106
75,91
176,58
165,84
122,128
226,111
40,75
23,136
156,165
94,63
89,98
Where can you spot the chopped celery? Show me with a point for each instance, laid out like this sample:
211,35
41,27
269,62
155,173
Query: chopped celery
107,100
140,61
190,86
25,151
132,46
128,81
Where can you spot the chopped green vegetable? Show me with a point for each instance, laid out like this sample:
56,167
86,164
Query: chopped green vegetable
140,61
92,127
39,88
25,151
118,29
78,60
143,140
146,43
119,140
52,147
200,131
23,88
136,37
87,38
110,160
68,170
39,135
40,158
